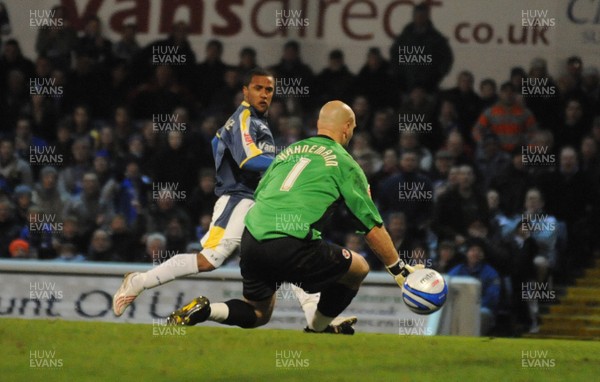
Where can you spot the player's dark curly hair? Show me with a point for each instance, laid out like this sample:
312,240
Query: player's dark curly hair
256,72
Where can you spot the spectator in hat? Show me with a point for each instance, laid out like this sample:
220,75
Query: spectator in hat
19,249
476,266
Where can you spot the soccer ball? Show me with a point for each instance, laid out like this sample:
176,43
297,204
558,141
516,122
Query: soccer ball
424,291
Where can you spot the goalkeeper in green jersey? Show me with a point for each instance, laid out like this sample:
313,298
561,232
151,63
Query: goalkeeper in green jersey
282,240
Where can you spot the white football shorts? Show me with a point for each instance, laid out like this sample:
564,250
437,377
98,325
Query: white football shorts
224,236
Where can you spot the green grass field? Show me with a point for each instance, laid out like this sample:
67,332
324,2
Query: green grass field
36,350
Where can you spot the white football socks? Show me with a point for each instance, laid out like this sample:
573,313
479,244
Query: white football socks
219,311
177,266
308,302
320,322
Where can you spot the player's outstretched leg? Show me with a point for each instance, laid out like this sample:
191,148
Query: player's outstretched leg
309,301
196,311
339,325
245,314
178,266
221,241
337,296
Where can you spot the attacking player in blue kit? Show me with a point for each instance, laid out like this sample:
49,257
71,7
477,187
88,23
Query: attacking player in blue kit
243,149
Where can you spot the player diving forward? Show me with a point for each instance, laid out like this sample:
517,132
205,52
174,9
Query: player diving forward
242,149
304,182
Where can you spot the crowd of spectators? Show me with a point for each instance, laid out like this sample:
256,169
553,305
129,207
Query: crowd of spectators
499,181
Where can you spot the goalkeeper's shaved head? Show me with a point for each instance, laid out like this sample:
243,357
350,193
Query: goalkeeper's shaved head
337,121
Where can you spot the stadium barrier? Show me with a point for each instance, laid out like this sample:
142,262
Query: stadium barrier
83,291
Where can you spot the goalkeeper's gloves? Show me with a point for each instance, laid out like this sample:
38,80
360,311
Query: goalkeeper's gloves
399,270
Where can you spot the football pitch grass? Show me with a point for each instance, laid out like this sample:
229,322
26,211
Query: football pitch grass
56,350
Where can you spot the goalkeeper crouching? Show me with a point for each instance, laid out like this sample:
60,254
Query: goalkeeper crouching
303,185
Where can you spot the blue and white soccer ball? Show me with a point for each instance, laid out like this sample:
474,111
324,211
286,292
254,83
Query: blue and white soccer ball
424,291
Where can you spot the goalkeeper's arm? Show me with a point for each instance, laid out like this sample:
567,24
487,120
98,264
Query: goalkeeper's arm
381,243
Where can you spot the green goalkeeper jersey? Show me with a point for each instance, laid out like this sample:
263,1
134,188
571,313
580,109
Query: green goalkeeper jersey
302,186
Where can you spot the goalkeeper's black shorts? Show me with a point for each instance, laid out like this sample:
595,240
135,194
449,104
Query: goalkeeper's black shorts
310,264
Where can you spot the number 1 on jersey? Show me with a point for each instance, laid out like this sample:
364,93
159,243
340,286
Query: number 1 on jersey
294,173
